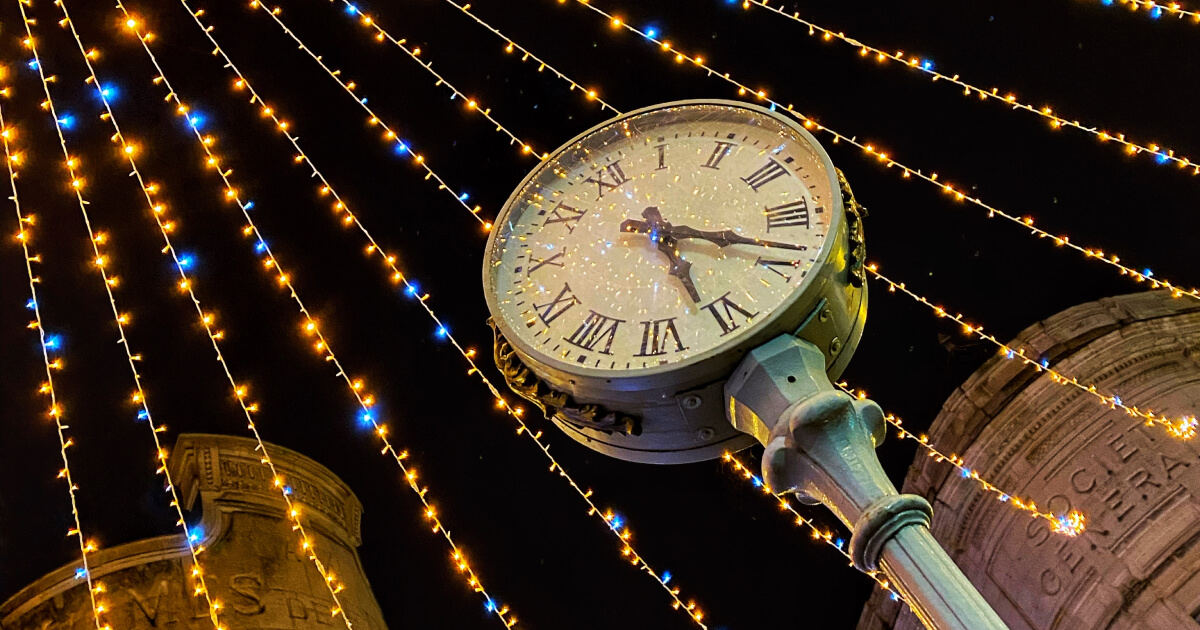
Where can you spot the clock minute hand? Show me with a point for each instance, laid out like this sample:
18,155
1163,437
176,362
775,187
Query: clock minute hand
725,238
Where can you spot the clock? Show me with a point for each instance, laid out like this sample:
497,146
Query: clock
633,269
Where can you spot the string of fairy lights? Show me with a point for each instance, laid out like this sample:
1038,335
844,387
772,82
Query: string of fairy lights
413,53
1161,154
241,82
1070,524
312,329
614,523
511,46
652,35
51,343
326,188
390,134
365,400
1155,9
191,538
1183,427
801,521
77,183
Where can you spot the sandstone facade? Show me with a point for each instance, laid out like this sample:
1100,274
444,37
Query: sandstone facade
1137,567
253,562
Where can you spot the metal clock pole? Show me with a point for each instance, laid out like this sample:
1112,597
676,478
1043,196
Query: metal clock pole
820,443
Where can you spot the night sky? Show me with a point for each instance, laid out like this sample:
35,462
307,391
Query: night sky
528,535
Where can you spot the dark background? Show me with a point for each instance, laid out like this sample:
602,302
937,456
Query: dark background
528,535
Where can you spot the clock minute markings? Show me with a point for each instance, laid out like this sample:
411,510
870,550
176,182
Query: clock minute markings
727,321
662,155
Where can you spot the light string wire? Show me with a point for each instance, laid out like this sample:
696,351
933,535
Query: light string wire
1062,524
1161,154
356,386
1183,428
414,54
817,533
366,401
614,523
526,54
1157,10
1070,524
390,135
195,548
25,225
1145,275
77,183
1057,521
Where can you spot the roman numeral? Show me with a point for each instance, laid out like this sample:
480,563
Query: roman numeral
657,335
770,171
551,310
542,262
566,215
771,265
788,215
593,330
718,154
728,322
662,156
613,172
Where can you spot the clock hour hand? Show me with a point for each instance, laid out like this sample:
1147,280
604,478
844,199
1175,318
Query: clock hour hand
660,233
680,268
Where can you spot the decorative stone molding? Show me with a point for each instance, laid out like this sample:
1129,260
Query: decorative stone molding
1138,564
253,562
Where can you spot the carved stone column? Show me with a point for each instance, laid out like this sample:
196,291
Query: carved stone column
253,562
1137,567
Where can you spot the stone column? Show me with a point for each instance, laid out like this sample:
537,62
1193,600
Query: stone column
1137,567
253,562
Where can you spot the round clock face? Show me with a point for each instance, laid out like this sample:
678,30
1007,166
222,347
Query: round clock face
660,237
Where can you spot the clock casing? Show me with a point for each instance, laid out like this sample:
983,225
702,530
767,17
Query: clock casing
680,405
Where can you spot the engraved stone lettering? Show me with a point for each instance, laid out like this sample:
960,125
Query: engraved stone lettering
248,587
1037,532
149,604
1140,478
1051,585
296,609
1121,448
1113,501
1082,481
1170,465
1068,556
